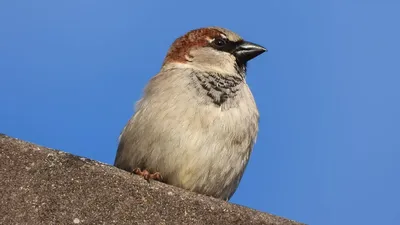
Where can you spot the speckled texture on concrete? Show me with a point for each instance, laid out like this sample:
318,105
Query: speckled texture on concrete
39,185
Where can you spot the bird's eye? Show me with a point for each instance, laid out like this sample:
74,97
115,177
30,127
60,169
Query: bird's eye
219,42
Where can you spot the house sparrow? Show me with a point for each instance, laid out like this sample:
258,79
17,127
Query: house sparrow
197,121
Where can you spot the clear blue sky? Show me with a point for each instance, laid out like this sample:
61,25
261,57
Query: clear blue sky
328,150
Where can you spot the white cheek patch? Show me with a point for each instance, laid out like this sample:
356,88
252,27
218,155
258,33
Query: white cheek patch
209,59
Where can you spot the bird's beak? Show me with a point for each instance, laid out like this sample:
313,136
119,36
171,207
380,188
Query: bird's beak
246,51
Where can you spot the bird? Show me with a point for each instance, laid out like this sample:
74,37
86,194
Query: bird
196,123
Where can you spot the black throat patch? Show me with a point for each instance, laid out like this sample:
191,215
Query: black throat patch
219,87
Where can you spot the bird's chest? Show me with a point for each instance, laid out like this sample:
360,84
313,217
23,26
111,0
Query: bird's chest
205,142
218,143
222,120
223,108
231,122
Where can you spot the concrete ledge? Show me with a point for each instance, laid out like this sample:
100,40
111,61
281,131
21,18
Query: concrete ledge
39,185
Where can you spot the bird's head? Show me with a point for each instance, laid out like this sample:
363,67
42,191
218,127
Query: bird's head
212,49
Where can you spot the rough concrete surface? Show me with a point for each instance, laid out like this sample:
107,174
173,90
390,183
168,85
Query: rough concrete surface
39,185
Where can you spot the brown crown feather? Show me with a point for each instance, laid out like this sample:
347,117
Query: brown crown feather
193,39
